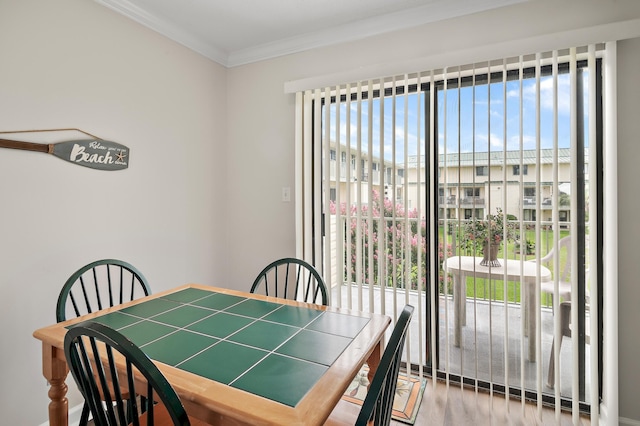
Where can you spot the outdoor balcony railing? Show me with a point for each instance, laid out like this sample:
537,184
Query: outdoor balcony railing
362,177
472,201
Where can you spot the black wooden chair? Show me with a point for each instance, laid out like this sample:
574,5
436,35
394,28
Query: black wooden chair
102,362
98,285
291,278
377,406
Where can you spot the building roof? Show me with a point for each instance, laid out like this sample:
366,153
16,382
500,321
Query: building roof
497,158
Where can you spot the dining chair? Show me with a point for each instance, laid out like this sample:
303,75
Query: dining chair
102,362
292,278
95,286
98,285
377,406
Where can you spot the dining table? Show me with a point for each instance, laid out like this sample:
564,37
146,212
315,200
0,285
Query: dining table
514,270
235,358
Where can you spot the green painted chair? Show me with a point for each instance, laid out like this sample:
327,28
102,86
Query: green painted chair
377,406
101,382
291,278
98,285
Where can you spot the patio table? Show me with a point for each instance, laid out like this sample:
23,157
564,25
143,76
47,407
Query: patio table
526,272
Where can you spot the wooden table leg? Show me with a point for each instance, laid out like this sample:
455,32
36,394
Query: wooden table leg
55,371
374,360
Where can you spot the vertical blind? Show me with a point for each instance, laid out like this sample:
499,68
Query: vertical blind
397,172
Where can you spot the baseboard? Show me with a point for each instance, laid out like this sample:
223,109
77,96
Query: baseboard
74,416
628,422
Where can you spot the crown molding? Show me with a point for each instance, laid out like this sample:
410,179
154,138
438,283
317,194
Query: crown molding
435,11
167,29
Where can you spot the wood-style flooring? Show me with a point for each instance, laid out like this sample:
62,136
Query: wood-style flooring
466,407
457,407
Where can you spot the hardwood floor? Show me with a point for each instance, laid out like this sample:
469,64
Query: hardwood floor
466,407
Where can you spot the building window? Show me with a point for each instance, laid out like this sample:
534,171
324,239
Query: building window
333,155
516,169
482,171
472,192
530,215
332,194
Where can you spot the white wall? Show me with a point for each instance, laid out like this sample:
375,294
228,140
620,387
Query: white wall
261,135
74,63
629,235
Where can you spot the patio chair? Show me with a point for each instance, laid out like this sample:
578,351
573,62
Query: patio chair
95,286
564,284
291,278
377,406
565,331
102,362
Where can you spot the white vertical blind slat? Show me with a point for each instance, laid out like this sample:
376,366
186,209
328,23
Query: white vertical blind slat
556,226
537,353
419,183
358,193
302,128
326,194
521,214
369,183
312,151
348,199
382,225
445,144
505,281
332,238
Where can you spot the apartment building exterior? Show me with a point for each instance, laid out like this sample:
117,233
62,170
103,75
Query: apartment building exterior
469,184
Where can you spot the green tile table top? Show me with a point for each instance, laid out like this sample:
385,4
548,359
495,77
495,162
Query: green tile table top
269,349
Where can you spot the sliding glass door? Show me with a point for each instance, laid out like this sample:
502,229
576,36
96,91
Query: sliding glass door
472,193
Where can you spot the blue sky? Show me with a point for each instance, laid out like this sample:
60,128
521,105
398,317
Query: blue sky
493,108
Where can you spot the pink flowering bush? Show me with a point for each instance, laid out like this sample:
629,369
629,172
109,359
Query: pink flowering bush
393,244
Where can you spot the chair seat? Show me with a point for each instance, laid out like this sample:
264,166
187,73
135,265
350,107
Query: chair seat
564,288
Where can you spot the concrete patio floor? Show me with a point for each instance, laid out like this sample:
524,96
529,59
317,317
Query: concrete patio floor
481,354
